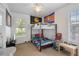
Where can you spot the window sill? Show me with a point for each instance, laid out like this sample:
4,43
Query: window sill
20,36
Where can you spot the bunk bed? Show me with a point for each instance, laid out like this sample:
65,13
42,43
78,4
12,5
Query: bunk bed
38,38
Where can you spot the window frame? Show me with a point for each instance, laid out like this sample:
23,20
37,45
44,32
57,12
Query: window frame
70,25
19,27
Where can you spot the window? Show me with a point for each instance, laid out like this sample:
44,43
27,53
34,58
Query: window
20,29
74,26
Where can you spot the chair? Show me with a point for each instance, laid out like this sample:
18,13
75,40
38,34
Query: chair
58,38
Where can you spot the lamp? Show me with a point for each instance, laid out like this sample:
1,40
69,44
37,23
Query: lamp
37,7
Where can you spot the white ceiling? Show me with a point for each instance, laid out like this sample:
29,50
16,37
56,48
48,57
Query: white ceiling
26,8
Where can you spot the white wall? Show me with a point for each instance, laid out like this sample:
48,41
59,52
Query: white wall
15,17
63,20
3,26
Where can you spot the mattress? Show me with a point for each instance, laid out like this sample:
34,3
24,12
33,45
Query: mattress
37,41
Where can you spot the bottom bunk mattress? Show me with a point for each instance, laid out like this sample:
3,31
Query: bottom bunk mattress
41,41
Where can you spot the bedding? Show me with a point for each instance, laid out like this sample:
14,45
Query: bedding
41,41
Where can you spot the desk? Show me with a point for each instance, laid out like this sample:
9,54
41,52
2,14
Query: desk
70,48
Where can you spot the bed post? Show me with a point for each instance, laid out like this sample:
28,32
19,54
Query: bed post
40,49
55,28
31,33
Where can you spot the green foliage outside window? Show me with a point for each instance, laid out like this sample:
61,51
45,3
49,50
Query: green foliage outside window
20,30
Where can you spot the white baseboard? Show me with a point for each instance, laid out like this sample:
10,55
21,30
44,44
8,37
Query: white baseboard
23,42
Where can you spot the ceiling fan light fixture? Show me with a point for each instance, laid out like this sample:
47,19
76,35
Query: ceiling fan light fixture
37,7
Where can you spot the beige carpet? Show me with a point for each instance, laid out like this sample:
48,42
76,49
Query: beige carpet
28,49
